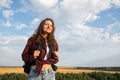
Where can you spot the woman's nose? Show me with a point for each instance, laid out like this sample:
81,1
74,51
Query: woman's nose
49,26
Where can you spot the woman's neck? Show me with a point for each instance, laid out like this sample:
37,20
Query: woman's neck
45,36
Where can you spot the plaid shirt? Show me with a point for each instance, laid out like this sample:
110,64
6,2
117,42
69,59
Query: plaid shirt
29,49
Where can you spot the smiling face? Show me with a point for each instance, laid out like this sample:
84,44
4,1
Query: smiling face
45,30
48,27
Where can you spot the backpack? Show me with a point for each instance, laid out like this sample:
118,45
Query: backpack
27,67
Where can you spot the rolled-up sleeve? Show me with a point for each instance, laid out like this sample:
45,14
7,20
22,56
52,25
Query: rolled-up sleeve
27,55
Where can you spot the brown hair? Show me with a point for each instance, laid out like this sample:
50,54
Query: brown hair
39,32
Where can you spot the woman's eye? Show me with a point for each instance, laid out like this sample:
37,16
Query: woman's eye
48,25
45,24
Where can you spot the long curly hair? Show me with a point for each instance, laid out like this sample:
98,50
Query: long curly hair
39,32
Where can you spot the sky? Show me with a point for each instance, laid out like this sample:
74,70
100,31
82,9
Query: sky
87,31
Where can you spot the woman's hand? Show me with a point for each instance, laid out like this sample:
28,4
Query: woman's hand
55,54
46,67
36,53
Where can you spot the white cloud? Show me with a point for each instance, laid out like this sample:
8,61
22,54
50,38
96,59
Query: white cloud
89,43
97,6
116,37
80,10
20,26
12,40
7,13
5,24
8,24
104,62
63,35
11,48
44,3
69,10
87,51
114,27
39,6
25,6
35,22
6,3
8,50
116,3
91,17
81,31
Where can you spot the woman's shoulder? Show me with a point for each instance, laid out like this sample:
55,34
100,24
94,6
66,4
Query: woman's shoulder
31,39
56,46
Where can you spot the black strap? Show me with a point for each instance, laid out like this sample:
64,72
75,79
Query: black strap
39,46
51,48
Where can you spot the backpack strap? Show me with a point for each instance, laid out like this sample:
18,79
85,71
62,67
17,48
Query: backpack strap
39,46
51,48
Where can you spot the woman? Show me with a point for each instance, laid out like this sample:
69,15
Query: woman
37,52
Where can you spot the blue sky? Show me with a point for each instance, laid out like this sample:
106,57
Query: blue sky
88,31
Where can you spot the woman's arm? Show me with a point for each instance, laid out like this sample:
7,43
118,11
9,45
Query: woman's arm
27,55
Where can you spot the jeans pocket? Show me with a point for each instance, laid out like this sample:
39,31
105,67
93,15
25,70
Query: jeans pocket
32,73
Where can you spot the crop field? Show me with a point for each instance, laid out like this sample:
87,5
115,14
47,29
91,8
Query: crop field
4,70
17,73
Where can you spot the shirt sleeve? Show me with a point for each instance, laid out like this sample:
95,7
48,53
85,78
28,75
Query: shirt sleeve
27,55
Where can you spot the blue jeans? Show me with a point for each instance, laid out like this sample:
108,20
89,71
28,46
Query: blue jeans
44,75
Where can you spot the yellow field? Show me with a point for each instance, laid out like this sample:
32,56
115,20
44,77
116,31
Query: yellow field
11,70
82,70
61,70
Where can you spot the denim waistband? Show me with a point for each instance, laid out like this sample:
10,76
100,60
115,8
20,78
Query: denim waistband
47,71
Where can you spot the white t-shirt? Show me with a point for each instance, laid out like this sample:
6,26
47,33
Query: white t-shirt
47,52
